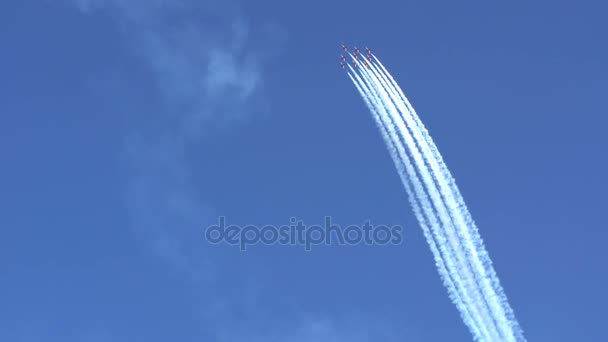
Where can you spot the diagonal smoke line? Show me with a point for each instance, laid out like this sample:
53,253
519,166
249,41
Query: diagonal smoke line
458,290
400,124
445,220
471,228
407,130
478,256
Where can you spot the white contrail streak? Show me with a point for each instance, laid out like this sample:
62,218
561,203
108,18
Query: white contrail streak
469,234
447,221
456,255
412,199
459,253
470,229
452,278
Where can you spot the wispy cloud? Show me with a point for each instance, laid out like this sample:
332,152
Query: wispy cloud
161,202
313,328
208,63
208,76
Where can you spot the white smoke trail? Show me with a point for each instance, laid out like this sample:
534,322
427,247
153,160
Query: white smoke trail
447,201
478,257
407,131
470,229
452,279
442,226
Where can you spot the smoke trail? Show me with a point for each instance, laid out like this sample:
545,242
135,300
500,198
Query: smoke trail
458,202
468,232
449,208
495,307
452,278
442,220
433,186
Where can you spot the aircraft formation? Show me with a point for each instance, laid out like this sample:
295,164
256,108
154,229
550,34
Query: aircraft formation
357,57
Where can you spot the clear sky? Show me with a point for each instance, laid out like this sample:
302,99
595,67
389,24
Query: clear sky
127,127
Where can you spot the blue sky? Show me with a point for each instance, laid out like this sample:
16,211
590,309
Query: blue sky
127,127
